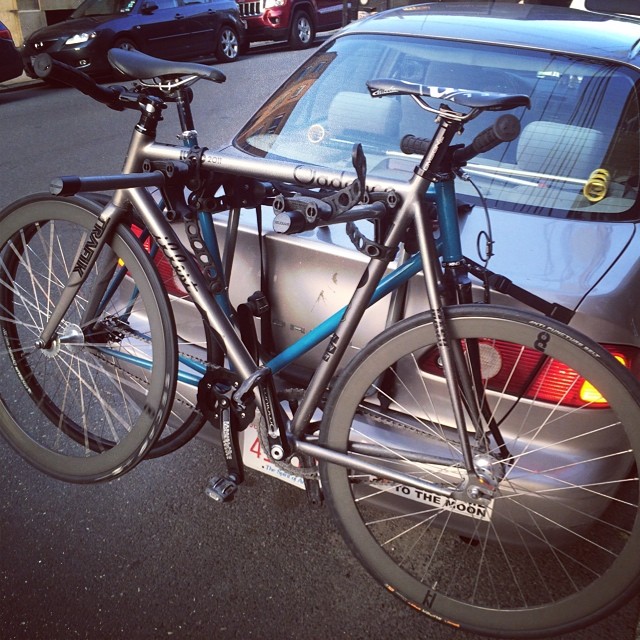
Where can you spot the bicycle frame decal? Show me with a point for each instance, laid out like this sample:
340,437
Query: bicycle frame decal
89,248
178,260
452,505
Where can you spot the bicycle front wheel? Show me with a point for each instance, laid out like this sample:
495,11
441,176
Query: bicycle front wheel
91,405
551,541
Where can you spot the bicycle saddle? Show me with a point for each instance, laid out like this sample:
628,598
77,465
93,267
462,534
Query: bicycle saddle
140,65
472,99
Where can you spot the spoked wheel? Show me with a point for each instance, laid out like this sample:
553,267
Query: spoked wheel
90,405
548,540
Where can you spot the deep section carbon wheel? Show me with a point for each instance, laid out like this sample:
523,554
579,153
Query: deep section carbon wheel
543,535
90,405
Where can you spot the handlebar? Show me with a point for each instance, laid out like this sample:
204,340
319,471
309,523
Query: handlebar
505,129
48,69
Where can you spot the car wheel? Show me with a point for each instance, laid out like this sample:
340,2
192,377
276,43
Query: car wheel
228,47
302,31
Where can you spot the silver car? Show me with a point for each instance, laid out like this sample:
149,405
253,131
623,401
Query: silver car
561,200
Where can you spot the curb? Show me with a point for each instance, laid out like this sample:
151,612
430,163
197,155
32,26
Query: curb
15,83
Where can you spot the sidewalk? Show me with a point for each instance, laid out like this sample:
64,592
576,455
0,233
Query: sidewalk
24,79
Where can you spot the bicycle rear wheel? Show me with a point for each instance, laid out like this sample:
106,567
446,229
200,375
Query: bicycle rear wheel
553,543
90,406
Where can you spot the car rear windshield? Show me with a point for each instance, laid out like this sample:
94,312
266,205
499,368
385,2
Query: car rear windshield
577,155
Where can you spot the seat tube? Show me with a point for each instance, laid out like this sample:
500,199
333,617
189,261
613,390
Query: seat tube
451,247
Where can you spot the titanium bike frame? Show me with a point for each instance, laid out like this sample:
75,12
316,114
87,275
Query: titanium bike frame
372,286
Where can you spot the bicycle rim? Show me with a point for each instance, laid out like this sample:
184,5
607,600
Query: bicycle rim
90,406
553,545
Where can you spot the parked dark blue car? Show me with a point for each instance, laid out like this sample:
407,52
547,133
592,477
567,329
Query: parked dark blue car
170,29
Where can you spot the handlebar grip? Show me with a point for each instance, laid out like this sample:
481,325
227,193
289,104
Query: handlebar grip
412,144
505,129
48,69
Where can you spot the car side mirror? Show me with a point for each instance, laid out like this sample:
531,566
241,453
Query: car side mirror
149,7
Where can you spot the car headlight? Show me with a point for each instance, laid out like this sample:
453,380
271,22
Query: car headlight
274,3
80,38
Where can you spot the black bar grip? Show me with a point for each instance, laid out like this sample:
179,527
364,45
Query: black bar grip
48,69
412,144
505,129
70,185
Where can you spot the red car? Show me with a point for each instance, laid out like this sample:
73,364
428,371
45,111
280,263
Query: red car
296,21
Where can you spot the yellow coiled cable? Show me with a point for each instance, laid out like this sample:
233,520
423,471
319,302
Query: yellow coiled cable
596,187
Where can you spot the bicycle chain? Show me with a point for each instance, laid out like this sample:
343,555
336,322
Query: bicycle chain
289,394
146,339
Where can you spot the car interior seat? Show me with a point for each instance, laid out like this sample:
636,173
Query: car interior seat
553,148
361,118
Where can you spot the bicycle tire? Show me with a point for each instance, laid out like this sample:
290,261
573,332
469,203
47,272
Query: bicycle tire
555,549
87,408
185,419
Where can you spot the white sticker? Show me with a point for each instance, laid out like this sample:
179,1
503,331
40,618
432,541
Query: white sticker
254,458
478,511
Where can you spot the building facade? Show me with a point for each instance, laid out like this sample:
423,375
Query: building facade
23,17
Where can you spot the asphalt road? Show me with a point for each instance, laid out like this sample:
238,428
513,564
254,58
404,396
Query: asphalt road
149,555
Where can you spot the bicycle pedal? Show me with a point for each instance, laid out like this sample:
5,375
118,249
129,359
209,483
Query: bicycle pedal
221,488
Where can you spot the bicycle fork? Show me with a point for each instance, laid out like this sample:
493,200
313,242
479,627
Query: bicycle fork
85,260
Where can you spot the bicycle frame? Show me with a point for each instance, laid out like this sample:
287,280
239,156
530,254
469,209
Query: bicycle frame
342,325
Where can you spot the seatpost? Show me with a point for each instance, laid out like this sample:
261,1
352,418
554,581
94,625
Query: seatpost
189,134
433,165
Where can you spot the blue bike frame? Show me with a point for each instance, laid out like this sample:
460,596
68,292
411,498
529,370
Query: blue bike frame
441,193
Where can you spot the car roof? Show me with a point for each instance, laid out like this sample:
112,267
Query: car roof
533,26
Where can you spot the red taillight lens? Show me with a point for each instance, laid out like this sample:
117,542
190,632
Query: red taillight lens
165,270
522,372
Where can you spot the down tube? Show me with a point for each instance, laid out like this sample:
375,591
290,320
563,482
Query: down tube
192,280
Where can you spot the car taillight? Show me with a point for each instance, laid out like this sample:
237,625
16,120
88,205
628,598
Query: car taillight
522,372
165,270
5,34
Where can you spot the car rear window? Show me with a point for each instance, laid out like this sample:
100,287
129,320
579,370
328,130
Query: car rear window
577,156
